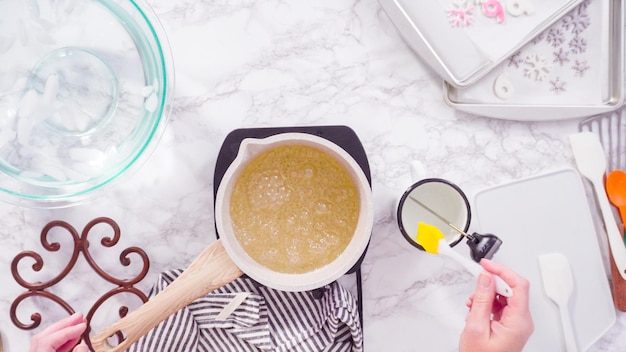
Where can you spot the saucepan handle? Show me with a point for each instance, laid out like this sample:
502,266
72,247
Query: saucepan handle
211,269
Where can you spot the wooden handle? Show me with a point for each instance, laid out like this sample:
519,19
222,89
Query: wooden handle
211,269
618,285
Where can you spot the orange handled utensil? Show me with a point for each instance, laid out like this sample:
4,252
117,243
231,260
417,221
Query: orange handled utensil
616,191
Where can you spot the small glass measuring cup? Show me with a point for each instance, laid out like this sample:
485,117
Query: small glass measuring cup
443,197
443,204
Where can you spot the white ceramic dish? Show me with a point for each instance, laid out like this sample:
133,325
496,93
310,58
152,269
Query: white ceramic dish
544,214
574,69
250,147
461,53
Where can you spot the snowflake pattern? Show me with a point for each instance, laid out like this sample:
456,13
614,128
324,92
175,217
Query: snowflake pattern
578,45
536,40
580,67
461,13
561,56
536,67
566,38
558,86
577,21
555,37
516,60
583,5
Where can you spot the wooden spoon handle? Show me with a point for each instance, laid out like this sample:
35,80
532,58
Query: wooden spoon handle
618,286
211,269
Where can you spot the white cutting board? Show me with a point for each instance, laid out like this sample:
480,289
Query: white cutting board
543,214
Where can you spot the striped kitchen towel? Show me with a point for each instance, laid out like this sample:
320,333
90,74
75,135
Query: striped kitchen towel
246,316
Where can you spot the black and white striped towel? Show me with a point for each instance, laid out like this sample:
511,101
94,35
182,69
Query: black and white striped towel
265,320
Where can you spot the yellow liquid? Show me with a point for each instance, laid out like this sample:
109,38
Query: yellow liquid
294,209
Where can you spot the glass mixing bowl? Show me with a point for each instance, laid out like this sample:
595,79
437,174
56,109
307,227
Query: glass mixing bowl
85,87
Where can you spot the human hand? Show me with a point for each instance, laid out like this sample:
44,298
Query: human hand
61,336
496,323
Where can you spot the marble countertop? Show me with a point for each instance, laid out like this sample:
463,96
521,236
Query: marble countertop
276,63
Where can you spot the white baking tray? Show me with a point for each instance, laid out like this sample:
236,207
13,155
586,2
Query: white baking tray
544,214
462,54
573,69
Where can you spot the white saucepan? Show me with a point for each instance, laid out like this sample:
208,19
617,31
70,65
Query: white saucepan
225,260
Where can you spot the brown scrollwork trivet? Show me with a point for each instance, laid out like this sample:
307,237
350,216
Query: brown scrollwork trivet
81,245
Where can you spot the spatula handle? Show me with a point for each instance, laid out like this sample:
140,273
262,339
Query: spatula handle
211,269
568,330
618,286
616,242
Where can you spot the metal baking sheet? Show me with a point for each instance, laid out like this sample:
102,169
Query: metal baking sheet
462,40
573,69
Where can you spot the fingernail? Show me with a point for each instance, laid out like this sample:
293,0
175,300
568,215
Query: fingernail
484,280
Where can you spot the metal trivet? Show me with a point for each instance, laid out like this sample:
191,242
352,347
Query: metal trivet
81,245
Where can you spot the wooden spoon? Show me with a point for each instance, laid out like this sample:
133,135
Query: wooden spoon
211,270
616,191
